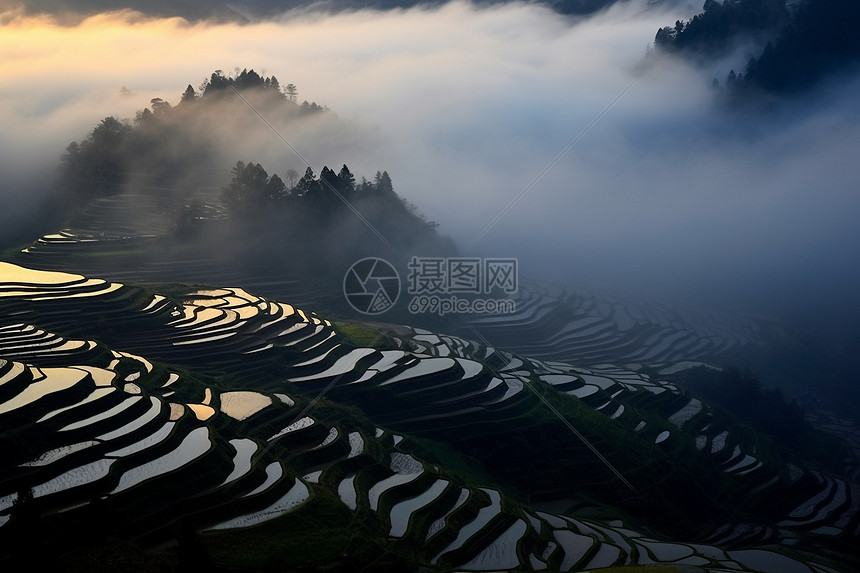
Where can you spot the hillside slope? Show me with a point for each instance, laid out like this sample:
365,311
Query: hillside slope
223,421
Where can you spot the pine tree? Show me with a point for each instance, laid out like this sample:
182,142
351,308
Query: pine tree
189,95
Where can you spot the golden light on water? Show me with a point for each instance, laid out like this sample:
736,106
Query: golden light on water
17,275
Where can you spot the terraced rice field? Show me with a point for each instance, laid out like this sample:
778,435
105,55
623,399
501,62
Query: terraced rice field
555,322
139,419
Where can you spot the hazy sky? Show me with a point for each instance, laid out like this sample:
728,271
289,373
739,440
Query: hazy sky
466,107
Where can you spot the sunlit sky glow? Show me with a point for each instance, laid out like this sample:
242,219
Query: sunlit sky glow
465,107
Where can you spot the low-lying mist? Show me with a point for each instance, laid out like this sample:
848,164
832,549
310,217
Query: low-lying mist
611,167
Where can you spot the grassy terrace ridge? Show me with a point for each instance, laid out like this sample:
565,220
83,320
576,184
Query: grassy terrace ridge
650,569
364,335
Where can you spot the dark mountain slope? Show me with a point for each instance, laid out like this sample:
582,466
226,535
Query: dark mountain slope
800,44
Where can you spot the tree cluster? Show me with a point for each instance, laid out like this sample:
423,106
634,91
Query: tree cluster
741,394
252,188
333,201
821,39
96,165
217,84
801,45
173,157
167,145
712,31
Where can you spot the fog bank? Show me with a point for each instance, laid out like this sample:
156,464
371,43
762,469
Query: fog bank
467,108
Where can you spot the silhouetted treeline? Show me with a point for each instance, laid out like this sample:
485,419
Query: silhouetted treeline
218,83
714,30
741,394
822,39
803,42
252,189
332,207
174,156
167,146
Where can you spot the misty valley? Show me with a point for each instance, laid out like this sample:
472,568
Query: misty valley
245,329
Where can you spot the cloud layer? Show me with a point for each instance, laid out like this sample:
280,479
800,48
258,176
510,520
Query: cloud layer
472,109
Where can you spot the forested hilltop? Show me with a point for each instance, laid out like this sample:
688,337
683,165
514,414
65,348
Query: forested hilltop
165,145
173,159
799,44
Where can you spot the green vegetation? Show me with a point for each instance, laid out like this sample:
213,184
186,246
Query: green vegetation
364,336
167,147
647,569
713,31
174,158
332,215
821,40
741,395
315,534
527,446
165,191
800,44
533,444
454,464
